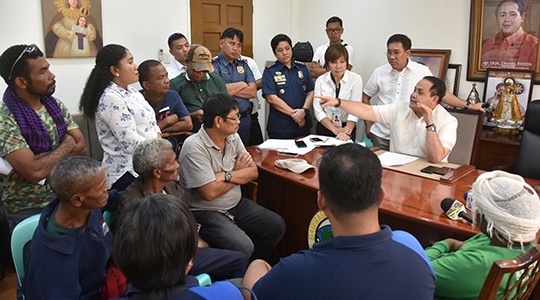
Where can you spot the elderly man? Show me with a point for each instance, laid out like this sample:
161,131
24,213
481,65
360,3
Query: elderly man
178,47
195,85
238,77
507,211
364,260
214,165
511,48
36,131
72,243
334,30
171,114
394,82
423,129
155,162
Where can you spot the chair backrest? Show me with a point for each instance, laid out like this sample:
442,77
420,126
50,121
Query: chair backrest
468,134
527,163
88,129
22,234
524,272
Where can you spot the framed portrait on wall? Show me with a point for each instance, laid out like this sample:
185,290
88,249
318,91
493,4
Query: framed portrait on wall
435,59
504,35
452,78
495,87
72,28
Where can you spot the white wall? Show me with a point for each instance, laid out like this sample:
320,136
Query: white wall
143,27
431,24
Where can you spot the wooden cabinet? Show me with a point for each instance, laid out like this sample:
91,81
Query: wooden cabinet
495,150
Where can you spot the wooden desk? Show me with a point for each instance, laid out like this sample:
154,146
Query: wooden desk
411,203
496,150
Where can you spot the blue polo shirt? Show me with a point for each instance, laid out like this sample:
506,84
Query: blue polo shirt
382,265
236,71
292,86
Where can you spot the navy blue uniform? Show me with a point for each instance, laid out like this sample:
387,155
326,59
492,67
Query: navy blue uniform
237,71
291,85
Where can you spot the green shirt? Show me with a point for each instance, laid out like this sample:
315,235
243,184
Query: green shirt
193,94
19,195
461,274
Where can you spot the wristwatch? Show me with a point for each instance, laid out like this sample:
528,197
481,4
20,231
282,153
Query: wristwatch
431,127
228,176
306,110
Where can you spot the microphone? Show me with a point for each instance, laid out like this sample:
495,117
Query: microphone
454,209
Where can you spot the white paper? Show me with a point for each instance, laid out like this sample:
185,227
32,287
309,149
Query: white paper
275,144
5,168
390,159
326,141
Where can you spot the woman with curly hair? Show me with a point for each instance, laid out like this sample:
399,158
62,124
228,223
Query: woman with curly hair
123,117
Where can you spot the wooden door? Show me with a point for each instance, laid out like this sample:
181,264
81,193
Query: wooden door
210,17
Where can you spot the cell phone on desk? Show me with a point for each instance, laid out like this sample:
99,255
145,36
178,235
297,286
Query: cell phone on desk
316,139
300,144
429,169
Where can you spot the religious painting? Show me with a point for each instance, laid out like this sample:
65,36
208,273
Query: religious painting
72,28
503,35
495,88
435,59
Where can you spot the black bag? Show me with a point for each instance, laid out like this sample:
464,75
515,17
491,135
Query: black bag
303,51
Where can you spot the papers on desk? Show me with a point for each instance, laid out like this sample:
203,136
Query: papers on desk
290,147
389,159
5,168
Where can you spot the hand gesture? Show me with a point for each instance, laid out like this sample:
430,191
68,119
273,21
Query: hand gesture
327,101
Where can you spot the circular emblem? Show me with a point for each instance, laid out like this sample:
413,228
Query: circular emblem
300,74
240,69
485,65
282,91
520,88
319,229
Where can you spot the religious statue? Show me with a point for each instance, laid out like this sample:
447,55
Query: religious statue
507,116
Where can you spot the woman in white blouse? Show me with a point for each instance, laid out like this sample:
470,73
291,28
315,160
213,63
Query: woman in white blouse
338,83
123,117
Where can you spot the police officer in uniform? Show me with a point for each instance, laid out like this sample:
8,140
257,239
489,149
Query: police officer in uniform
237,76
288,88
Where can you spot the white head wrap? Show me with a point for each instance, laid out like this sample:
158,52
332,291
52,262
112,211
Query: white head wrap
508,204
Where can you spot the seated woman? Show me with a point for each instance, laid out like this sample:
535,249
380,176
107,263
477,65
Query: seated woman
288,88
123,117
339,83
507,211
161,222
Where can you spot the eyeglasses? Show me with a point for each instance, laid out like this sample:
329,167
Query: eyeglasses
237,119
333,30
29,49
394,53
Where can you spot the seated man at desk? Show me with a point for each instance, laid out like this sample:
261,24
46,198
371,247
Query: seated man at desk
214,163
507,211
425,130
363,259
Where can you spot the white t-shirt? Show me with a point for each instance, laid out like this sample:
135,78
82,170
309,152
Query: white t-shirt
257,75
408,132
319,53
351,89
392,86
175,68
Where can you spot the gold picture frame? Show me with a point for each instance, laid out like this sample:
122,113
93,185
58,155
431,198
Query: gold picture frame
483,33
435,59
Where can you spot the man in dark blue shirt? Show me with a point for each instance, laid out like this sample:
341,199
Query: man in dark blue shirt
364,260
238,77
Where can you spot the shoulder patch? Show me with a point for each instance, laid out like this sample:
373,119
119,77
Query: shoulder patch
271,65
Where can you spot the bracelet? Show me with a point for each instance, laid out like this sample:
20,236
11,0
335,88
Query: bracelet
338,102
430,125
467,105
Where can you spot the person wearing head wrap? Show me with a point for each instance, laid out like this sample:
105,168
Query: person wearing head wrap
507,211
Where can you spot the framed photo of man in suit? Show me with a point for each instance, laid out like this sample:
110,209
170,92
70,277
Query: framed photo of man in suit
503,35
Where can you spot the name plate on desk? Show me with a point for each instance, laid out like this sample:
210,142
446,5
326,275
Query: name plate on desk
415,168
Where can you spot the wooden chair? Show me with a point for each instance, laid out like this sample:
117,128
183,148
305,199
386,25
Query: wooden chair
468,134
525,269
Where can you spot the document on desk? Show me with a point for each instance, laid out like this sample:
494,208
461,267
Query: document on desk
389,159
287,146
324,141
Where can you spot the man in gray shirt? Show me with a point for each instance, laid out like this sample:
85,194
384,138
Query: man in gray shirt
214,163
